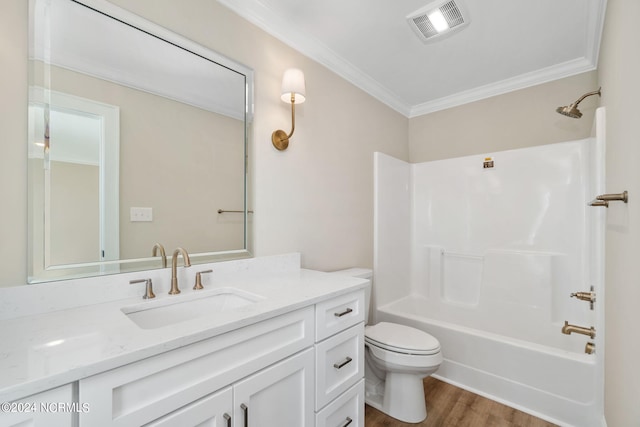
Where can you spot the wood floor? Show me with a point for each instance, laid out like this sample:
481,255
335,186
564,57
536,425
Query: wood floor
450,406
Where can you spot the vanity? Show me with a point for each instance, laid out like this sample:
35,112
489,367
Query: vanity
291,356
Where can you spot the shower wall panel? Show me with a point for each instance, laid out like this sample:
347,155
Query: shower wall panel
392,235
512,235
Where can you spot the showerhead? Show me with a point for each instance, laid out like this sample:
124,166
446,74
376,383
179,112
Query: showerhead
572,110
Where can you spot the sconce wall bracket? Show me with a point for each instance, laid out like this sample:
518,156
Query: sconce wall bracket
279,138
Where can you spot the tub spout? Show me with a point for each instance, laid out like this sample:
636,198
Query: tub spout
568,329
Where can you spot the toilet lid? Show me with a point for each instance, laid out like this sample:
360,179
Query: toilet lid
401,338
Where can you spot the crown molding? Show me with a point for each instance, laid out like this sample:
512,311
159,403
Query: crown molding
265,18
522,81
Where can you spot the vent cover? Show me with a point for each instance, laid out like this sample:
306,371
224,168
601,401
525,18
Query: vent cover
453,13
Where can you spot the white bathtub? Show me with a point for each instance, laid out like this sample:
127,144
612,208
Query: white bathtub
557,385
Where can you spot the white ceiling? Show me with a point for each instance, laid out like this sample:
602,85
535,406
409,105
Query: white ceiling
509,45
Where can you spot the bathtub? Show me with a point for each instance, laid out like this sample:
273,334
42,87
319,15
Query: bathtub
551,383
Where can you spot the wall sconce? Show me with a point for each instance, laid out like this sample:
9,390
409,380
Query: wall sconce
293,91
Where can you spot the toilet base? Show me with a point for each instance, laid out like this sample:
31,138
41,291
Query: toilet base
410,407
404,397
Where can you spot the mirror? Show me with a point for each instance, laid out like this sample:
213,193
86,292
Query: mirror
137,136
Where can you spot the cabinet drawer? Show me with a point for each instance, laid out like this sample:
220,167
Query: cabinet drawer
339,364
143,391
339,313
346,410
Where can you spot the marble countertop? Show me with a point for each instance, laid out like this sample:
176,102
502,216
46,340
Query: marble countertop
43,351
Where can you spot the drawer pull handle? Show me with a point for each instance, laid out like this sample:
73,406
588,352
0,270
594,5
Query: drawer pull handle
340,365
245,409
227,417
347,311
349,421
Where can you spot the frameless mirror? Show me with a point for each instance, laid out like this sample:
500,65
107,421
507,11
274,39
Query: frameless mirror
137,136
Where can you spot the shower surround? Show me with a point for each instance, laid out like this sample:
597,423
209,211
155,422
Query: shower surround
483,252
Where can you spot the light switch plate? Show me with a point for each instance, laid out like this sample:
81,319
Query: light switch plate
141,214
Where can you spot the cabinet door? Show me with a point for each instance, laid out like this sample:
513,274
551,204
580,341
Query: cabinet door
213,410
280,395
52,408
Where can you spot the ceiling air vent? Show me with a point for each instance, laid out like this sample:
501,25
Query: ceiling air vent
438,19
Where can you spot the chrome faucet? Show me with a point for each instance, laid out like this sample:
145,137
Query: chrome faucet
154,252
174,267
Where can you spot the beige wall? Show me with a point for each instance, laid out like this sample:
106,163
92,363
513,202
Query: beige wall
13,140
315,198
519,119
619,70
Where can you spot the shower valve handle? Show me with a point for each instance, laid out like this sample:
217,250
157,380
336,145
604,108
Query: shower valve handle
585,296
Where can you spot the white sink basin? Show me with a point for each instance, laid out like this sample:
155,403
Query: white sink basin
151,315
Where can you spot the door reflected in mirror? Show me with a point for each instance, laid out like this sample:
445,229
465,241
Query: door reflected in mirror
78,169
135,137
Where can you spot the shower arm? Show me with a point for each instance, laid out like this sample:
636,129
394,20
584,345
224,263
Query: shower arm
595,92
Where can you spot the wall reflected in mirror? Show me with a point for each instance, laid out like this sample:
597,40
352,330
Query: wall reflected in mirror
133,139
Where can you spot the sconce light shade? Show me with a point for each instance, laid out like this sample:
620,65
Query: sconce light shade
293,85
293,91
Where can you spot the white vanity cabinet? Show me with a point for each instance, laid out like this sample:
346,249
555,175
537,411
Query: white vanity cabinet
280,395
51,408
339,352
255,366
294,358
303,368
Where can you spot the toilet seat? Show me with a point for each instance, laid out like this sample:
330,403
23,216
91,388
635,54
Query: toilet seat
402,362
401,339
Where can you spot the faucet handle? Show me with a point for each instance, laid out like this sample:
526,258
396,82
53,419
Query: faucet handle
199,274
148,294
585,296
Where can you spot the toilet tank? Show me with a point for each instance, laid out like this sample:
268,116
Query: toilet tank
364,273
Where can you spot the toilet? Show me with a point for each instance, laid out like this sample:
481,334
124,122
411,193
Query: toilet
397,359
